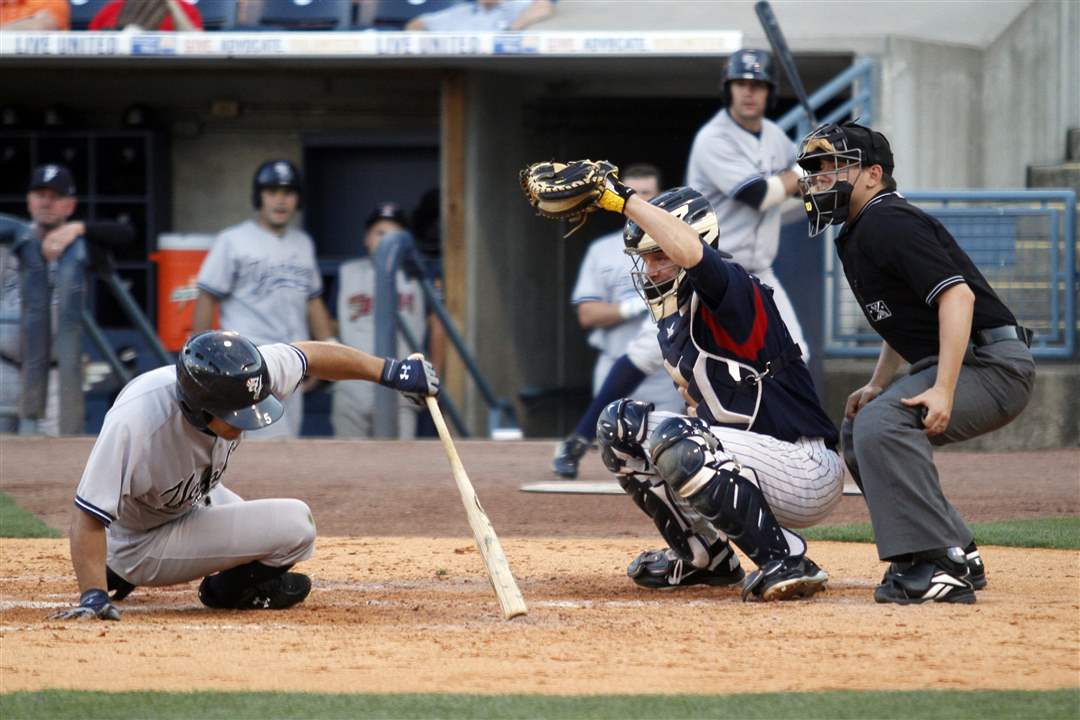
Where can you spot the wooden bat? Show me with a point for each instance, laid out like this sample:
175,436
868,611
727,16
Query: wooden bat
498,569
783,55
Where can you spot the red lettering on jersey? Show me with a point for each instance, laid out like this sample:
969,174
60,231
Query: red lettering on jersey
406,302
359,305
749,349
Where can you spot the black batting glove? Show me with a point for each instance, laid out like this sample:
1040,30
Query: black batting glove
94,603
415,379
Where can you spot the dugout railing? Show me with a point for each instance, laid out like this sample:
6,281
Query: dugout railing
395,251
1023,241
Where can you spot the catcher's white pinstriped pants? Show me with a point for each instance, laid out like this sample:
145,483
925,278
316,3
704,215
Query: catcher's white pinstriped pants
803,481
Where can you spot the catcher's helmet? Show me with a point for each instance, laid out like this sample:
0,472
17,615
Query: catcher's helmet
690,206
275,173
750,64
221,374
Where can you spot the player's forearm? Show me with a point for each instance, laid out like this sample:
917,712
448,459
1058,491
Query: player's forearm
88,551
888,362
595,313
319,321
955,309
333,361
677,239
537,11
202,317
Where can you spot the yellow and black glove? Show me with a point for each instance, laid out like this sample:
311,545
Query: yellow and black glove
570,191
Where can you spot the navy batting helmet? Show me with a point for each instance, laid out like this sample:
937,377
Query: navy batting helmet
275,173
223,375
750,64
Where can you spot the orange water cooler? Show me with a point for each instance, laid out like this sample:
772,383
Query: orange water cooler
178,259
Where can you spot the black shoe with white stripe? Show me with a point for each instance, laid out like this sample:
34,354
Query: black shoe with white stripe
787,579
976,568
930,577
664,569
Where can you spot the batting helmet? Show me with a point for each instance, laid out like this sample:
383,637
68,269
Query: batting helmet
275,173
749,64
223,375
692,208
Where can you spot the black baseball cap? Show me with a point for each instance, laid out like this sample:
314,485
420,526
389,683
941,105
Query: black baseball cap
54,177
875,146
387,211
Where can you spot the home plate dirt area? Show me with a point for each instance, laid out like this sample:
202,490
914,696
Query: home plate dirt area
401,602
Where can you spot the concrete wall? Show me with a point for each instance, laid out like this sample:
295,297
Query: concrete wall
1031,92
928,105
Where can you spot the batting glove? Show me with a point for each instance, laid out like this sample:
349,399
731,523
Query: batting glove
93,603
415,379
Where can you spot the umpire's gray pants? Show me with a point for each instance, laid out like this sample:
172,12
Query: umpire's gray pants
890,455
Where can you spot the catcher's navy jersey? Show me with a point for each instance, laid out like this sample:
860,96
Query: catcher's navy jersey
720,341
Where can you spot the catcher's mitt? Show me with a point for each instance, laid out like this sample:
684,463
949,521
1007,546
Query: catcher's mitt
570,191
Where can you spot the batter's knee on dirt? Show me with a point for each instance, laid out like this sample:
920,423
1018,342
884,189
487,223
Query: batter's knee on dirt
294,527
620,432
673,526
691,460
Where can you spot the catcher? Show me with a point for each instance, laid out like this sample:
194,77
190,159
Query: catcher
755,454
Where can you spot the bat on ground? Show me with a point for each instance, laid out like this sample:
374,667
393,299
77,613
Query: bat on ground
498,569
783,55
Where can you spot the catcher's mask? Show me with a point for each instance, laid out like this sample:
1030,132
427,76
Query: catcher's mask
827,155
222,374
656,278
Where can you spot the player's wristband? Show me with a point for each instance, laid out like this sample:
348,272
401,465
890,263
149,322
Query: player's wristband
631,308
389,372
615,196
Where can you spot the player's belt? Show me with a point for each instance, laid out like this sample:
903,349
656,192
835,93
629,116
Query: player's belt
998,334
792,353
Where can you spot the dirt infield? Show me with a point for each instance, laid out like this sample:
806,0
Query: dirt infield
400,602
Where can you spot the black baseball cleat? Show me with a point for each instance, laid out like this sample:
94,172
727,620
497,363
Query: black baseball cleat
787,579
277,593
664,570
118,586
568,454
928,578
976,567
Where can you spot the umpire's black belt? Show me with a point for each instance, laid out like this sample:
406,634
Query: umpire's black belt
1005,332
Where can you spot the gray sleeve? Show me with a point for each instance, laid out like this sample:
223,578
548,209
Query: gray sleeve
216,273
287,366
316,287
589,286
109,473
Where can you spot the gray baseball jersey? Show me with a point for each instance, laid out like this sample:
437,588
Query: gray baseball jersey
150,472
604,276
725,158
354,400
263,281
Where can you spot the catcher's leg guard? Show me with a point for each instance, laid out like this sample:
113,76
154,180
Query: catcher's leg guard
620,432
672,524
689,458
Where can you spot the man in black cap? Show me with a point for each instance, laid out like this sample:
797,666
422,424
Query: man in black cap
353,410
971,370
46,268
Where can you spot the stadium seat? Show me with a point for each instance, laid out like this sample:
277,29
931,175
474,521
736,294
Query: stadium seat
216,14
306,14
393,14
83,11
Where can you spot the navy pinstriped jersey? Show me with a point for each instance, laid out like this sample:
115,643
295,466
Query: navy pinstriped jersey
736,329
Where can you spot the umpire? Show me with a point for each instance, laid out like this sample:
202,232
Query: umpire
971,370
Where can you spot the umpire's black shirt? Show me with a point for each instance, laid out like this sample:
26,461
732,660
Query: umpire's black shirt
898,260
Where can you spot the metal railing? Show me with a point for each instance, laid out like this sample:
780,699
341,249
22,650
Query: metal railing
394,250
1023,241
859,78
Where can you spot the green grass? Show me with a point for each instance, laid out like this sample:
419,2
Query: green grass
17,523
980,705
1060,533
